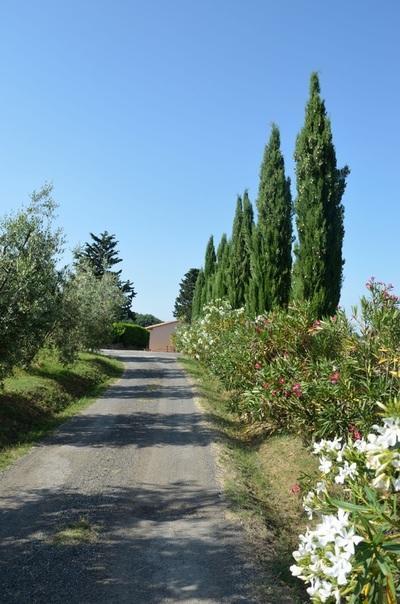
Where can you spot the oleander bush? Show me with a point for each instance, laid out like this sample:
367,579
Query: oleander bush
291,372
352,553
328,381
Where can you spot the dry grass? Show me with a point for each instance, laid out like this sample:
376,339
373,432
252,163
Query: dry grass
77,533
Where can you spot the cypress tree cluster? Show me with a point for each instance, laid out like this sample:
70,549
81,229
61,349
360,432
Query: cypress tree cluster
254,268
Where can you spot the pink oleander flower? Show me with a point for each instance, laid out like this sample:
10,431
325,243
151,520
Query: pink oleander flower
334,377
281,380
295,489
354,432
296,389
257,365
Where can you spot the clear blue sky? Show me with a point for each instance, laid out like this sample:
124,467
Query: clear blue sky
150,117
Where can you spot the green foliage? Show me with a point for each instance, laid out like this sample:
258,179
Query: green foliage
356,497
240,250
320,188
198,295
88,308
100,256
30,284
271,249
37,399
184,300
130,335
292,372
144,320
209,271
214,340
289,372
220,286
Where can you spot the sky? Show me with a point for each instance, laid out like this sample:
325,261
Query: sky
149,118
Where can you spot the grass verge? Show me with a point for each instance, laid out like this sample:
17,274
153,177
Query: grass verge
35,401
258,474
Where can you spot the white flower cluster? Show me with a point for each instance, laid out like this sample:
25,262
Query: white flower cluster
382,454
378,453
324,557
198,339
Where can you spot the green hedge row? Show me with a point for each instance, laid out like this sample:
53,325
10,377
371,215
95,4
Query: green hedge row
130,335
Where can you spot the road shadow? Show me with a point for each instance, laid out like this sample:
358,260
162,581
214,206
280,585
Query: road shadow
141,553
140,429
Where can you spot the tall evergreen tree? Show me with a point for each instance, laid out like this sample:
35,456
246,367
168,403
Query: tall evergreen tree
198,295
247,237
240,248
183,303
101,253
101,256
255,302
320,213
209,269
220,287
274,206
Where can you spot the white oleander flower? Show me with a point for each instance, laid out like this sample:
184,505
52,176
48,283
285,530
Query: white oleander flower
325,465
346,471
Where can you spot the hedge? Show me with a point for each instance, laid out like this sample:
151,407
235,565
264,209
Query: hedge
130,335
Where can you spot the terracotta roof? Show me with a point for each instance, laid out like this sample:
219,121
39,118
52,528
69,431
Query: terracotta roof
160,324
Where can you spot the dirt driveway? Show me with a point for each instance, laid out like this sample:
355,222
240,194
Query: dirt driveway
121,504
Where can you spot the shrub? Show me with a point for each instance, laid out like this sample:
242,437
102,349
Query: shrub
130,335
322,379
353,553
292,372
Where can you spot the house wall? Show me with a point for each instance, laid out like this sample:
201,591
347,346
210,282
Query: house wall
160,338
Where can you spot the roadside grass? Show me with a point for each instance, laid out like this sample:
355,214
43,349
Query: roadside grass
258,475
35,401
77,533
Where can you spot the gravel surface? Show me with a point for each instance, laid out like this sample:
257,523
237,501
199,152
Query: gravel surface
137,467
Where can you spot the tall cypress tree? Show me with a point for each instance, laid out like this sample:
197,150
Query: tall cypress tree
198,295
320,188
274,206
220,287
240,248
209,269
247,241
255,302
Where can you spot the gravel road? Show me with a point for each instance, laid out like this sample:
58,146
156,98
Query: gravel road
137,468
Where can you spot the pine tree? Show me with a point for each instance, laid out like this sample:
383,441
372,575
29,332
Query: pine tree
274,206
101,256
220,286
198,295
240,248
183,303
320,213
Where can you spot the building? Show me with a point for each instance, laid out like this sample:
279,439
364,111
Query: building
160,336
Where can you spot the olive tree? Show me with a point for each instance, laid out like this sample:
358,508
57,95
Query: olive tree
30,282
